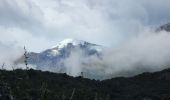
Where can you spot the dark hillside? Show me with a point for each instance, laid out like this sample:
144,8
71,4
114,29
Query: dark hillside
38,85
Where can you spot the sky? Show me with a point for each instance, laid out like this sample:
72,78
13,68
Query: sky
125,27
41,24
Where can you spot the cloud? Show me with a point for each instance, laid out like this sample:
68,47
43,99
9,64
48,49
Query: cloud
148,51
20,37
73,64
20,13
9,53
119,24
108,22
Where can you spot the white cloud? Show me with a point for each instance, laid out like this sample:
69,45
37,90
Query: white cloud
40,24
146,52
105,22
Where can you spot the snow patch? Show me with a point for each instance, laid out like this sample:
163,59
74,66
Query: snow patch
65,42
55,52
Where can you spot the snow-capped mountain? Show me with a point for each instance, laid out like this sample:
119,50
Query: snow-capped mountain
71,44
52,59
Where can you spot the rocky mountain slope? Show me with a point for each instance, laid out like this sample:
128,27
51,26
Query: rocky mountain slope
165,27
53,59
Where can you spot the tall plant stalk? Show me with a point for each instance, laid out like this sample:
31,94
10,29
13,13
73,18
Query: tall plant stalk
26,57
72,94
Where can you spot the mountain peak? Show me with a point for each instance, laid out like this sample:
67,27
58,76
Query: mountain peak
68,44
65,42
73,41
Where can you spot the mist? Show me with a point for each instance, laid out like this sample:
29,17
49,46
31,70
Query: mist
146,52
8,56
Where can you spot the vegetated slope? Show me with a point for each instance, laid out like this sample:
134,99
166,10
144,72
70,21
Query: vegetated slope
38,85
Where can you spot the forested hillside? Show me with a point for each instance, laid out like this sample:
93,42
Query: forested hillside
37,85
